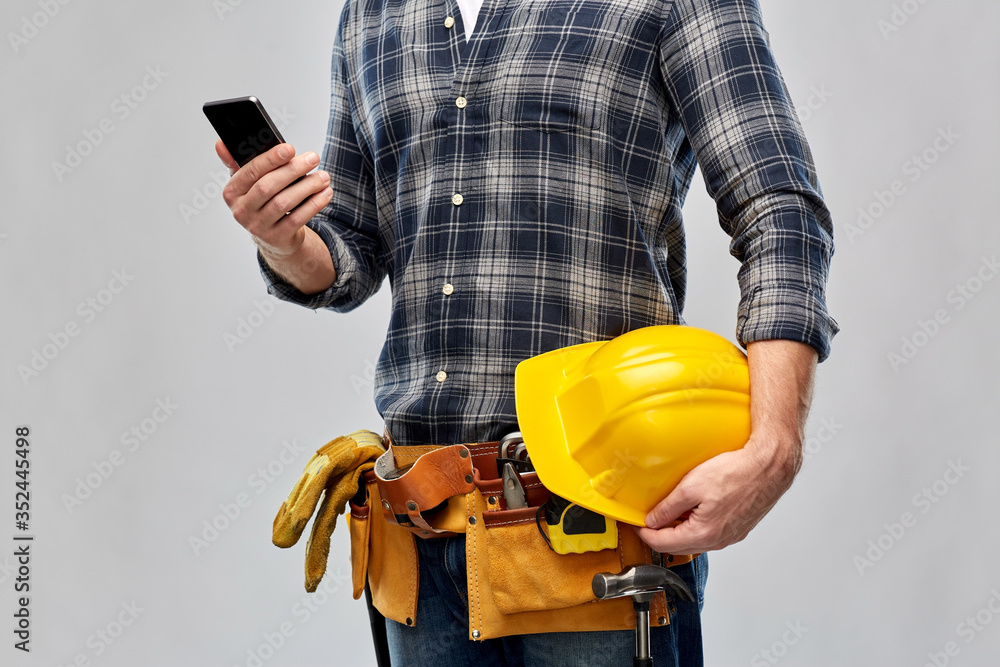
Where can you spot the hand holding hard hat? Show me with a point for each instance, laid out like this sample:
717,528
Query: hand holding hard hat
659,403
614,426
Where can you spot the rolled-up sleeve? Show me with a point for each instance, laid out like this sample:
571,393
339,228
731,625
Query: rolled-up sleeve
730,97
348,225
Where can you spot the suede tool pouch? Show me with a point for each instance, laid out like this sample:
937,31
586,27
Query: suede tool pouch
359,523
393,570
525,575
550,598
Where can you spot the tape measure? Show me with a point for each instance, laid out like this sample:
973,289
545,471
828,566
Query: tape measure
572,529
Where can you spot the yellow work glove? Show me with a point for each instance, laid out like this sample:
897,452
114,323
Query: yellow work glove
333,471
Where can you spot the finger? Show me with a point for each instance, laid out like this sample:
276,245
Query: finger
673,507
282,215
259,167
226,157
679,540
298,508
318,546
272,195
307,210
292,196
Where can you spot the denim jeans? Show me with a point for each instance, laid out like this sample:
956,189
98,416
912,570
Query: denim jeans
440,636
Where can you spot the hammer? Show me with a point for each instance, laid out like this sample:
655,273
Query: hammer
641,583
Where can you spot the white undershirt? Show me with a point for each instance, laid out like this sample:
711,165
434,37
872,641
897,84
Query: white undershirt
470,12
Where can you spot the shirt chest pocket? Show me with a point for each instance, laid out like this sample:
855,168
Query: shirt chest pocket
555,68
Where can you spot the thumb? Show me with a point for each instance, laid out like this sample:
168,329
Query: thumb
226,157
673,507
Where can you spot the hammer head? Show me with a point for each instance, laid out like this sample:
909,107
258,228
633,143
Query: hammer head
640,581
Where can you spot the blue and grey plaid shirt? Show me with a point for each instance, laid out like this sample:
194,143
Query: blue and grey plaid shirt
522,191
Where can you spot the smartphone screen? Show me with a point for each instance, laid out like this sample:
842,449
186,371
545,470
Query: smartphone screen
244,127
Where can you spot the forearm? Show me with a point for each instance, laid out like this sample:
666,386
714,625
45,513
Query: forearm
781,388
309,268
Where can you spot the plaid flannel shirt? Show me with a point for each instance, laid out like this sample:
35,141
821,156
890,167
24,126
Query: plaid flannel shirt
522,191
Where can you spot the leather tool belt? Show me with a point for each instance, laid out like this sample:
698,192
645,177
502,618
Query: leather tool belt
516,584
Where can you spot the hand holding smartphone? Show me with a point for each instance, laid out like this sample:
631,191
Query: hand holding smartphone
286,195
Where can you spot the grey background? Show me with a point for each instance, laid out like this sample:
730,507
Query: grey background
870,99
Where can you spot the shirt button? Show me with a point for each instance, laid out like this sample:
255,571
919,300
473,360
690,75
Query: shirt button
448,288
441,376
457,199
461,102
448,22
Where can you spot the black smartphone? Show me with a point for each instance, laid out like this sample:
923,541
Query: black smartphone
244,127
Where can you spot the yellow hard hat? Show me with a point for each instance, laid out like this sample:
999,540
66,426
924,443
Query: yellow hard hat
614,425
